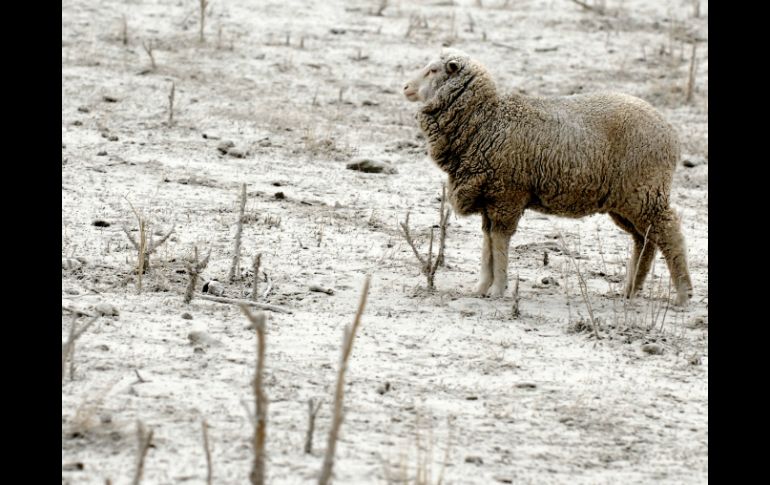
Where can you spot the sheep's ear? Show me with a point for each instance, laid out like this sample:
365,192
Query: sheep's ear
452,67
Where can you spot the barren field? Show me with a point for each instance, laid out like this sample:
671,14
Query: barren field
442,386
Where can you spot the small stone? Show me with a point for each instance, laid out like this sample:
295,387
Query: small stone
106,309
225,146
525,385
476,460
187,316
109,99
70,263
214,287
199,337
77,123
368,165
472,398
101,153
320,289
84,109
550,281
103,348
694,161
280,195
383,388
236,153
652,349
100,223
113,138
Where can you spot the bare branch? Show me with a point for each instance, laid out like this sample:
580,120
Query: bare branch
312,411
339,395
144,438
255,270
205,427
238,301
235,267
257,475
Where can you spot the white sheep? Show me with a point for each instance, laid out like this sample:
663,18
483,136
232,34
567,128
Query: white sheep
569,156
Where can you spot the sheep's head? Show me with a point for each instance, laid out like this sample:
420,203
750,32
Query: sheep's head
436,73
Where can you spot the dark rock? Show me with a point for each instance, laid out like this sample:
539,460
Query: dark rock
371,166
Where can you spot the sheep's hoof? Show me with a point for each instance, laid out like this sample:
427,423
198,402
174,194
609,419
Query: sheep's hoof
496,291
481,288
683,299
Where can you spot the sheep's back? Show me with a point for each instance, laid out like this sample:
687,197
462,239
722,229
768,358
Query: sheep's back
585,153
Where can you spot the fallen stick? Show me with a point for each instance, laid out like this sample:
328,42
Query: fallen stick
237,301
79,312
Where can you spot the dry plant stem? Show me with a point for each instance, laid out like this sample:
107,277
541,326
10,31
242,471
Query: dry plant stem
269,282
148,48
632,281
145,440
257,475
429,266
205,427
76,311
312,411
68,348
665,311
140,246
339,394
124,31
566,292
255,268
515,311
235,267
408,237
691,77
171,104
238,301
143,248
450,434
588,7
583,288
443,220
249,414
193,271
203,5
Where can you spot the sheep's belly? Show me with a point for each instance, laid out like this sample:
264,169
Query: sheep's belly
568,206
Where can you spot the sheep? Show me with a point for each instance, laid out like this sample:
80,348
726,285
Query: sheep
569,156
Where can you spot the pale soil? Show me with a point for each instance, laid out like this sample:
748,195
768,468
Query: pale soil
526,400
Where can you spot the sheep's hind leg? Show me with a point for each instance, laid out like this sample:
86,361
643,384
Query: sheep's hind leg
641,258
667,235
644,253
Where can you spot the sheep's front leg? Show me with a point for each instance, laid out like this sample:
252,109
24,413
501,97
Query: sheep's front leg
503,225
500,243
486,274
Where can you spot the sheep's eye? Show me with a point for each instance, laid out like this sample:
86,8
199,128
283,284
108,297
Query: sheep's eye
434,70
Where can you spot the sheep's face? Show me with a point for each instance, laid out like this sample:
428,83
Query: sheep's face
424,86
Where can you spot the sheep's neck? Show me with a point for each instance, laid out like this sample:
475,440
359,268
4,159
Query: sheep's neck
461,129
